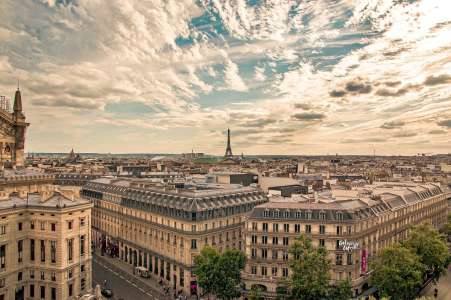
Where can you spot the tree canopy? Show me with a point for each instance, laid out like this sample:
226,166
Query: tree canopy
219,274
426,242
310,273
398,273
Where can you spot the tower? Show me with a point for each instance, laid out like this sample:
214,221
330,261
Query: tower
20,127
228,152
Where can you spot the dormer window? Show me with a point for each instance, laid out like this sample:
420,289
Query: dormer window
298,215
308,215
322,215
276,214
266,213
339,216
287,214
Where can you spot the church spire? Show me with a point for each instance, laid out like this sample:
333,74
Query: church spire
228,152
18,100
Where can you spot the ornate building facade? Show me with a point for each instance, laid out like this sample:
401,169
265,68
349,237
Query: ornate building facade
12,134
163,228
45,233
353,226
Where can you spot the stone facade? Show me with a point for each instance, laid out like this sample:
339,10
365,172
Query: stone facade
163,230
352,227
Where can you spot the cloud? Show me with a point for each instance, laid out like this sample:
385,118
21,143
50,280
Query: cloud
308,116
69,103
438,131
393,124
364,140
304,106
405,134
232,78
259,122
337,93
445,123
436,80
359,86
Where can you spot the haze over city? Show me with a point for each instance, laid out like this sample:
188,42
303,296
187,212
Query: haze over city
288,77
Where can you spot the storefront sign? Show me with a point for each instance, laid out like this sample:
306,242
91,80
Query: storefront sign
348,245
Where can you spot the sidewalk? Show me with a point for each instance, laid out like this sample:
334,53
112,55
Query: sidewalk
443,286
122,267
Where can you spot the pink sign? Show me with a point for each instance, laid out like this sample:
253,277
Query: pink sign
363,264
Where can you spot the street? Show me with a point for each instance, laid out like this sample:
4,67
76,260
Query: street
443,286
124,285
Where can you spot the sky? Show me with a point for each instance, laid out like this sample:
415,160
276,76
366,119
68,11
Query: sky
287,76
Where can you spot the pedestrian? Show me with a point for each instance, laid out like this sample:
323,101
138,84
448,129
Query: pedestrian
435,293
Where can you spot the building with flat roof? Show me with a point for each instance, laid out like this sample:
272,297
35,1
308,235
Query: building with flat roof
353,225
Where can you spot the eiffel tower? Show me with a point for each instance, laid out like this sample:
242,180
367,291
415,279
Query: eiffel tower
228,152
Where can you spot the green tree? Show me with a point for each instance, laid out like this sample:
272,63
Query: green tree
256,293
341,291
310,268
398,273
310,274
426,242
219,274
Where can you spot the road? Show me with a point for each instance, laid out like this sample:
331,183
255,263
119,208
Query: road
124,285
444,287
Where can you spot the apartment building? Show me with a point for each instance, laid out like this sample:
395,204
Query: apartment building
353,225
162,228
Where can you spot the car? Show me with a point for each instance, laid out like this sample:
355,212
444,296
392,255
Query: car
107,293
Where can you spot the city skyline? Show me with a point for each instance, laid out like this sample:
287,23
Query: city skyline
287,78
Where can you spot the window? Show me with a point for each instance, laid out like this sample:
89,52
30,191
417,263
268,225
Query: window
20,251
82,222
53,276
321,243
264,252
71,292
276,214
275,254
31,274
264,240
275,240
322,229
42,225
69,225
53,291
285,241
19,225
285,255
42,292
82,268
297,228
275,227
339,216
53,251
285,272
70,249
82,244
254,239
265,226
2,282
32,227
254,270
3,230
19,276
253,253
339,230
53,227
42,275
264,271
274,271
82,284
70,273
31,291
2,256
337,244
308,228
322,215
193,244
254,226
286,227
339,259
349,259
32,249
